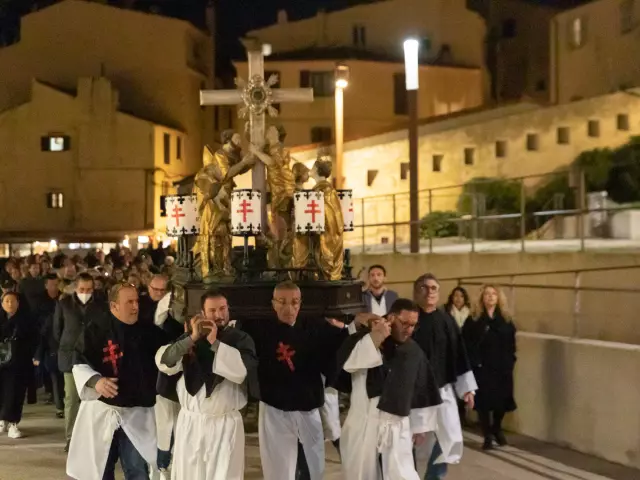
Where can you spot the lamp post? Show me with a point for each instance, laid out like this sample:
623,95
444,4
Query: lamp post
342,82
411,49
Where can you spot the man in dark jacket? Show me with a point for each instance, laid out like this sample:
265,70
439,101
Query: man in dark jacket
72,315
377,297
47,352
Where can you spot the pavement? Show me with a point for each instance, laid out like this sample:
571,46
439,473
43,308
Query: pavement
39,455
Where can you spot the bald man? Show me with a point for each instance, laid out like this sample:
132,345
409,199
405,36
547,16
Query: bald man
292,354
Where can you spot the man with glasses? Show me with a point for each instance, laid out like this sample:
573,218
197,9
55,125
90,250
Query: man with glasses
439,336
293,353
115,374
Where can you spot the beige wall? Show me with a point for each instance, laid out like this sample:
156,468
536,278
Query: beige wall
107,176
387,24
604,62
579,394
602,315
369,99
157,64
479,131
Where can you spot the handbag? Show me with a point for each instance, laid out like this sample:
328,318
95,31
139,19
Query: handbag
8,349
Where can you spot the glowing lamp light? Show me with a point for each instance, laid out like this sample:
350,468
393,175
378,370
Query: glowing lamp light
411,49
143,239
53,244
342,76
266,49
125,242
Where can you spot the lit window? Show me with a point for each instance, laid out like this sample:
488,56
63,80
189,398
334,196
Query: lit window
578,32
55,143
55,200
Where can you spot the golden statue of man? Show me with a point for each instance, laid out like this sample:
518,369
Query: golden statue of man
282,186
328,248
214,184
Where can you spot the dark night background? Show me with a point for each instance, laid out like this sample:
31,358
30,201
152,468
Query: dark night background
233,17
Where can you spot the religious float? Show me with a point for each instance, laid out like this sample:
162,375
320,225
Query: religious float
297,232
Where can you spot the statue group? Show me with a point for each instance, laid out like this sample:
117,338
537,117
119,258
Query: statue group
286,249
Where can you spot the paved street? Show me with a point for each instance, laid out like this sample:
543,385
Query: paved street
39,456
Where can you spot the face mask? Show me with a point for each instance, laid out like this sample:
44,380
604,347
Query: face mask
84,297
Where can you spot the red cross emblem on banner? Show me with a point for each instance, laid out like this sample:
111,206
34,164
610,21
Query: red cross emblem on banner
351,206
112,355
177,214
311,208
284,353
244,209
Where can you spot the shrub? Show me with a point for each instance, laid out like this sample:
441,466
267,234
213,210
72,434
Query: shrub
439,224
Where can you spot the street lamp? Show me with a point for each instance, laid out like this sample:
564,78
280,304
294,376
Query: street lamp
411,51
342,82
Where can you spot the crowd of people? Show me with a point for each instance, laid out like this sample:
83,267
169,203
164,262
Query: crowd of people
135,386
46,302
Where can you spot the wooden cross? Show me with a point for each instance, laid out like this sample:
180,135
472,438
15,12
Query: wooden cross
250,97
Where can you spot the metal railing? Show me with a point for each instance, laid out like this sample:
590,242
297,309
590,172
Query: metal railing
607,296
383,223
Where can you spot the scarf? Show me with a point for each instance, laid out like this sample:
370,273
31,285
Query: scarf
459,315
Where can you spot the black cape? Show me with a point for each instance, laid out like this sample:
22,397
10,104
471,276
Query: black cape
198,365
403,382
126,352
292,360
439,336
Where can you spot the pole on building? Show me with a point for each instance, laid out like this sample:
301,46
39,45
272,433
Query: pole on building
411,51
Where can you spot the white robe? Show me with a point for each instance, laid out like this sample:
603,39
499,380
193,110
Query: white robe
449,431
368,431
94,428
209,436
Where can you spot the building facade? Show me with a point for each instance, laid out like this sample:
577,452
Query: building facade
523,139
368,38
75,169
594,49
120,90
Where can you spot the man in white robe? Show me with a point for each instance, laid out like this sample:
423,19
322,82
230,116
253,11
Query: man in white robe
214,361
115,375
439,337
394,397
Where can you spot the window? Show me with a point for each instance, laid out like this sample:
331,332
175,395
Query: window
167,149
320,134
627,17
577,32
55,200
55,143
541,86
469,156
400,105
622,122
509,28
593,128
323,83
425,44
163,205
267,74
501,149
532,142
437,163
404,171
179,148
371,176
564,137
359,36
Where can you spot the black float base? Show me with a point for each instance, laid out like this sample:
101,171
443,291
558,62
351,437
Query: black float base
252,300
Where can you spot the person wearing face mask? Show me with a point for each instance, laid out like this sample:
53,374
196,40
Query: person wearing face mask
73,313
217,369
293,353
115,374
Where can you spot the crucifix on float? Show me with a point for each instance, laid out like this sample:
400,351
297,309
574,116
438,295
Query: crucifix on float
256,96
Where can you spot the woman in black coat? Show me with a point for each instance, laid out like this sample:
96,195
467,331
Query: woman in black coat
490,338
14,376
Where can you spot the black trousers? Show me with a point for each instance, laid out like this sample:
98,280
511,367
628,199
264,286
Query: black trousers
32,385
491,422
13,386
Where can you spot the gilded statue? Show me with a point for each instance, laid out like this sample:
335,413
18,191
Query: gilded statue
214,184
282,186
300,257
328,250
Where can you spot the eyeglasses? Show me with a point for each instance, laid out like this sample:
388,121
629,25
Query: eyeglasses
294,303
431,288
